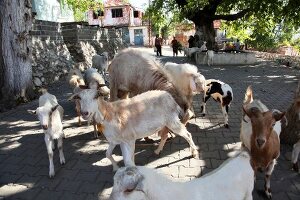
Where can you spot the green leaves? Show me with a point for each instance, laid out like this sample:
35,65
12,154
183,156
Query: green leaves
81,6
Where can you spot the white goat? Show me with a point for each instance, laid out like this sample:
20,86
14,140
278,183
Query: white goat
210,57
50,115
100,62
220,92
134,118
94,80
190,51
75,78
260,131
233,180
186,78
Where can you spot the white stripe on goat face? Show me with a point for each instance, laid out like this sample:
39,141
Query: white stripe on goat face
88,103
43,114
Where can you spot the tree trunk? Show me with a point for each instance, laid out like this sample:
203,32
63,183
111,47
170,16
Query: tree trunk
291,133
15,50
205,30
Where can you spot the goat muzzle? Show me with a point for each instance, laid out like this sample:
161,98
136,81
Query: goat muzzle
260,142
45,127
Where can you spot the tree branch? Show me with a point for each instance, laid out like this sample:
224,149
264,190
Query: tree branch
233,16
181,3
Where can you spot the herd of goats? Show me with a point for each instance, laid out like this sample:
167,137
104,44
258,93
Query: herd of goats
145,97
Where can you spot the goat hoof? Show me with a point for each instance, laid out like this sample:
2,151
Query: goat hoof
51,174
226,126
202,114
268,193
156,152
62,161
295,167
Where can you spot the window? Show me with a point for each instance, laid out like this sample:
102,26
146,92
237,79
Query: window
117,13
135,14
100,13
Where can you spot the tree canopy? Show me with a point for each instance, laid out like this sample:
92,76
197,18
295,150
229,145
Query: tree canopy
262,15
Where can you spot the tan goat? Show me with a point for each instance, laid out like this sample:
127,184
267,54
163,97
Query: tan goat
260,130
134,118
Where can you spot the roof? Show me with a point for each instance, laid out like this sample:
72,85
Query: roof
116,3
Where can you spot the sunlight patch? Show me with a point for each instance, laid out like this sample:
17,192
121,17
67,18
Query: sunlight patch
11,189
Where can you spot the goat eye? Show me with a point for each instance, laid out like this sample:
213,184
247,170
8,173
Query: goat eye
273,124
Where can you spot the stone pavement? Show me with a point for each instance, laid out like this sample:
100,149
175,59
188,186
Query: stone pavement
87,174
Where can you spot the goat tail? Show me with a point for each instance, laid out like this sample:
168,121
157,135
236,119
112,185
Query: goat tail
248,95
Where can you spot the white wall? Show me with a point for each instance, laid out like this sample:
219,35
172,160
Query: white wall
50,10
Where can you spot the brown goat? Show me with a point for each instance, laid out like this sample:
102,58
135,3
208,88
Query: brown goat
260,132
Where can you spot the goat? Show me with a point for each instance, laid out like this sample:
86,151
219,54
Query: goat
260,130
296,146
93,79
220,92
50,115
186,78
233,180
133,72
100,62
75,79
210,57
129,119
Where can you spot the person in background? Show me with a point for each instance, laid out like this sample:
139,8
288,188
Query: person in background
158,44
175,45
237,45
191,41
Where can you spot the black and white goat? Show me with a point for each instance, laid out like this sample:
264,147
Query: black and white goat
220,92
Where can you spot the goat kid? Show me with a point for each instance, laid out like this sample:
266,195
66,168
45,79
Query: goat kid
136,183
134,118
260,130
50,115
220,92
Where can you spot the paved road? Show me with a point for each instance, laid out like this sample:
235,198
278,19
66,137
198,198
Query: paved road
87,174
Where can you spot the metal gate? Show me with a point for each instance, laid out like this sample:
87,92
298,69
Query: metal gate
138,37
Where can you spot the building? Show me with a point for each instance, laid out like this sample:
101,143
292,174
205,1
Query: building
51,10
119,14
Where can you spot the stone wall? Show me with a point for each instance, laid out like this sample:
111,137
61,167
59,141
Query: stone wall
51,58
58,46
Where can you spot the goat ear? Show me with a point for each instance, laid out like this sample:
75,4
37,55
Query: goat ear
248,95
193,84
54,108
133,180
251,112
101,85
278,115
74,96
83,86
32,111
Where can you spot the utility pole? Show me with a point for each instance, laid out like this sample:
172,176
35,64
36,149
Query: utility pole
149,25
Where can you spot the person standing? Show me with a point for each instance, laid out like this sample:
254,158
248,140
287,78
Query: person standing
158,44
191,41
175,45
